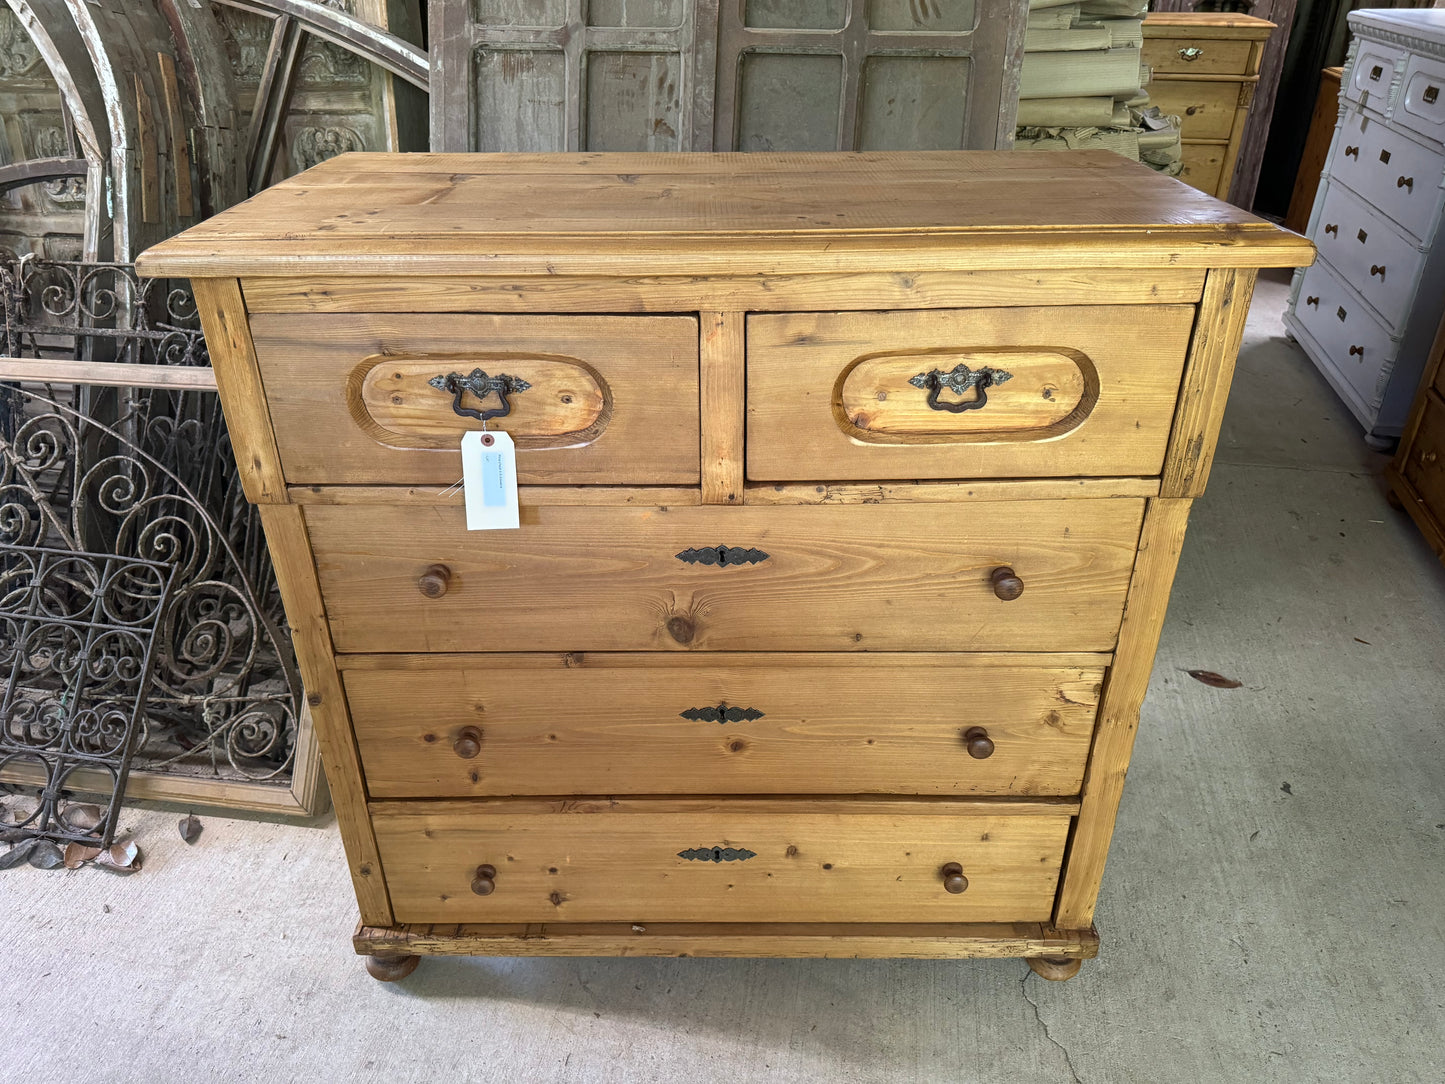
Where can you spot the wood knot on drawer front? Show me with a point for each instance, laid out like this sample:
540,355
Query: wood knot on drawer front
681,628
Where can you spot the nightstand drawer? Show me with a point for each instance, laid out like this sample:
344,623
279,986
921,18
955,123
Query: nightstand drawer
871,577
1206,109
1203,165
977,393
1424,467
1196,56
588,399
725,724
732,860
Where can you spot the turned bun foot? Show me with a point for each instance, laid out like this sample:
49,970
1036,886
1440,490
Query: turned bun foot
1054,968
391,968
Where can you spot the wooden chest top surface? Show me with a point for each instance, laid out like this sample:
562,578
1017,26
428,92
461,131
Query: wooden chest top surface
540,213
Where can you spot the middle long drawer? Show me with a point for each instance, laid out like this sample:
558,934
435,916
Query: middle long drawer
1046,575
724,723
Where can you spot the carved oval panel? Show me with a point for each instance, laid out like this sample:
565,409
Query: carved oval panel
994,395
565,401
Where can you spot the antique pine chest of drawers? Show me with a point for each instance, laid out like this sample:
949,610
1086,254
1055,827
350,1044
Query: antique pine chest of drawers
851,491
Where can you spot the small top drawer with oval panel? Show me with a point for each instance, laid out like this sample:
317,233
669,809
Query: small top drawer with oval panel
979,393
1422,98
379,398
1375,76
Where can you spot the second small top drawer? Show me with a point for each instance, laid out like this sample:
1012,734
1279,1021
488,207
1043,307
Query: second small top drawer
385,398
973,393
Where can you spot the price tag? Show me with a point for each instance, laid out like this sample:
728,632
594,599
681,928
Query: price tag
489,480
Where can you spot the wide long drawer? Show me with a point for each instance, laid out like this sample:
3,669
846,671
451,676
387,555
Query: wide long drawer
1354,344
1390,171
726,724
386,397
967,393
876,577
735,861
1370,254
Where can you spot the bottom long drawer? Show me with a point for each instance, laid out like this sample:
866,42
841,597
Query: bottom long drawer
737,860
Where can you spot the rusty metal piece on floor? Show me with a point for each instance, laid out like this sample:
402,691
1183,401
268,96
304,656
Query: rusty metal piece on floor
77,637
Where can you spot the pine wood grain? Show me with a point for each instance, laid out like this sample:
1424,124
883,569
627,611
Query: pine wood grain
541,214
889,724
286,538
848,578
316,368
1124,689
884,940
722,365
1023,489
243,396
807,866
1119,366
737,291
1205,390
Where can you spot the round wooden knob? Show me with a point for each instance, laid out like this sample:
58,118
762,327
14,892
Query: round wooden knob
980,745
468,743
485,881
435,581
1006,584
953,879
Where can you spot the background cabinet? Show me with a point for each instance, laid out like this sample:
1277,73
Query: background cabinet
696,75
1366,313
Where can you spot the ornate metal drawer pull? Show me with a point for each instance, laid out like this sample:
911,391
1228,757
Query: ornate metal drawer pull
721,714
481,385
958,381
717,854
1357,350
1313,301
722,555
1190,53
1330,227
1378,269
1352,152
1406,182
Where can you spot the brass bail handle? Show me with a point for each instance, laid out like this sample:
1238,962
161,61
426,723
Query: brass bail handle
959,380
480,385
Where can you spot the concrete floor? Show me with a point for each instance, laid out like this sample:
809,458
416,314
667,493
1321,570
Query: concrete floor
1251,932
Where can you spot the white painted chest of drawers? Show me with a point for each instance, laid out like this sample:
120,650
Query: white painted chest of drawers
1367,311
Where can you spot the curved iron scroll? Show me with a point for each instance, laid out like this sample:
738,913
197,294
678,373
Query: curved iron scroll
959,380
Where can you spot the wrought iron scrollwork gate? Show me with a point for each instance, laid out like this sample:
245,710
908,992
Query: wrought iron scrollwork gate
147,473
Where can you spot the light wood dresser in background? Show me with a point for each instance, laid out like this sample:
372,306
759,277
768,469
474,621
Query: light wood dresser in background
852,488
1205,68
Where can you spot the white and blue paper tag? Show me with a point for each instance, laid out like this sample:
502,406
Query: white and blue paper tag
489,480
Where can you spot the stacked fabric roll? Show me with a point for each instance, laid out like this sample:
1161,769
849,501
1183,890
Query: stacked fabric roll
1083,84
